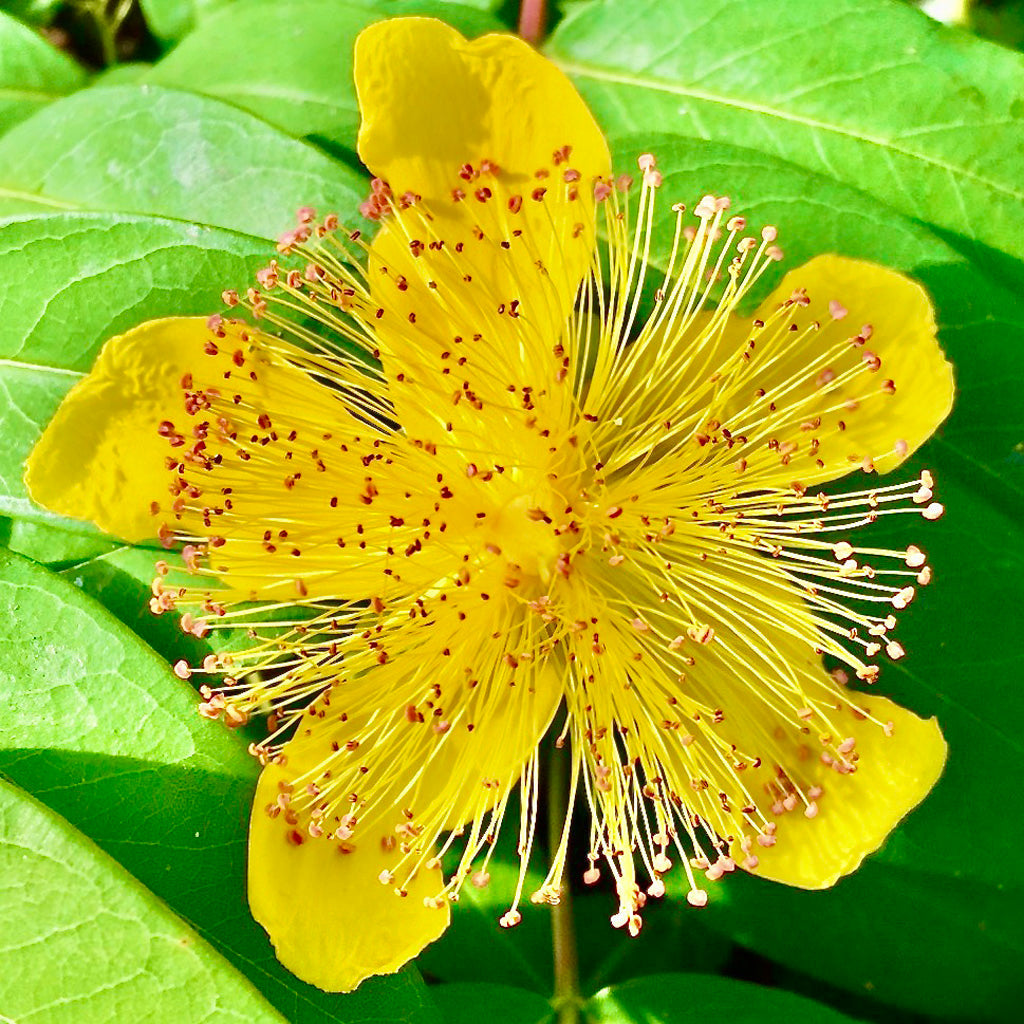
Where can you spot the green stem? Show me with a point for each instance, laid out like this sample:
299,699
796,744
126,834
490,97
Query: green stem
567,1001
108,38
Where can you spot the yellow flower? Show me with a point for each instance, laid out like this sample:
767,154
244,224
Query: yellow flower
482,470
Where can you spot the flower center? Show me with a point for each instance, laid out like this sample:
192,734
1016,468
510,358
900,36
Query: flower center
525,540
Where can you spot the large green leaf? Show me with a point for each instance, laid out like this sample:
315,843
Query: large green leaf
150,150
84,943
292,63
70,281
53,546
32,73
869,92
673,938
696,998
463,1002
97,727
954,643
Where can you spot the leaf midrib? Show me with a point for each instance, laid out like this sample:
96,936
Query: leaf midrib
597,73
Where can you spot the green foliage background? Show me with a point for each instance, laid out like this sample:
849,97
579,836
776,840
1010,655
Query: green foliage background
857,126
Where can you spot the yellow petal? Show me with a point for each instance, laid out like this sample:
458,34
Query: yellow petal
467,126
378,737
101,458
778,389
431,101
858,811
885,428
331,920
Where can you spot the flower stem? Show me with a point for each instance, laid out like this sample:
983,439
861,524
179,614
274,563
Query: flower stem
566,1001
533,16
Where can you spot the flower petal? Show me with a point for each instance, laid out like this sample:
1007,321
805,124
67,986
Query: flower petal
101,458
858,811
755,737
848,376
490,255
330,919
431,101
885,428
415,779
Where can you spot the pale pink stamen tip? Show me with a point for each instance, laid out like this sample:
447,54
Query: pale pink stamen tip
697,898
646,162
591,876
915,557
934,510
181,669
837,310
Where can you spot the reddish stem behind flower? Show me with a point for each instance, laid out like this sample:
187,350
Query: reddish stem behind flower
533,20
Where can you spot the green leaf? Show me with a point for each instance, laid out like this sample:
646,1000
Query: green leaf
885,916
68,282
35,12
870,92
464,1003
32,72
169,20
149,150
958,665
673,938
83,942
99,729
698,998
52,546
292,63
120,74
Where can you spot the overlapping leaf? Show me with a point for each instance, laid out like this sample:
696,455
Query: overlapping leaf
162,152
83,943
32,73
